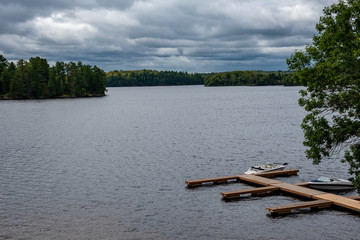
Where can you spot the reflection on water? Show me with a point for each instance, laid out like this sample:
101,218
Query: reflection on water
114,167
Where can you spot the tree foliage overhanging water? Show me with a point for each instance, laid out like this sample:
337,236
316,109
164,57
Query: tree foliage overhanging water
330,70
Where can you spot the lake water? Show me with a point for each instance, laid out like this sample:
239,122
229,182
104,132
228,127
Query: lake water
114,167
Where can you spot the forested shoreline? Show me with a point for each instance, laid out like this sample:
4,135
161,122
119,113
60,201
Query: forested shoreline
152,78
35,79
250,78
168,78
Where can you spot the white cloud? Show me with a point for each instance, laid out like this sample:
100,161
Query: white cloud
60,30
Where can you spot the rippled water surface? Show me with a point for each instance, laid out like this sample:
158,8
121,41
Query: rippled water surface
114,167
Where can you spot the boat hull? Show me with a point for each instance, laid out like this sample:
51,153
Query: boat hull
330,187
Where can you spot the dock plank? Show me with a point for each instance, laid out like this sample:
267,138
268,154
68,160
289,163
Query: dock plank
259,190
199,182
309,204
258,179
355,197
298,190
340,201
302,184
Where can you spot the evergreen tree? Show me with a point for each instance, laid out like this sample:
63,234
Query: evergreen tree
52,85
3,83
60,78
70,78
23,77
100,78
7,77
39,77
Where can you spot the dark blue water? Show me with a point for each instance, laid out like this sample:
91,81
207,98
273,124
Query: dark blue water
114,167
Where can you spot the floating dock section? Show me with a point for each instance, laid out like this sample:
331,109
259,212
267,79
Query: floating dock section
313,205
319,199
221,180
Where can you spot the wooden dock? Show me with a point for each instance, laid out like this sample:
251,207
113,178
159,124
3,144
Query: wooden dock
319,199
221,180
284,209
218,180
315,204
252,191
323,199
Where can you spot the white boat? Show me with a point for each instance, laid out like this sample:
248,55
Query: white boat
331,184
269,167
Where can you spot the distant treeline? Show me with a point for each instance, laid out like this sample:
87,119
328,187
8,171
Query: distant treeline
250,78
168,78
36,79
152,78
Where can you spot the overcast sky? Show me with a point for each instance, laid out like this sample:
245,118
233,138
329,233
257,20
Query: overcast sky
180,35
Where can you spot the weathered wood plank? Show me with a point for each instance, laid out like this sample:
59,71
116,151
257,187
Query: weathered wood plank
259,190
355,197
288,207
217,180
302,184
310,204
298,190
258,180
340,201
199,182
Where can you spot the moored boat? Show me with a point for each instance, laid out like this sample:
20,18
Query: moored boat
269,167
331,184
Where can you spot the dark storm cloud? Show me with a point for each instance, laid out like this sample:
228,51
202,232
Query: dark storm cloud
202,35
